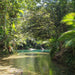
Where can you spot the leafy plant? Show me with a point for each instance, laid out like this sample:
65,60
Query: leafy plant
69,36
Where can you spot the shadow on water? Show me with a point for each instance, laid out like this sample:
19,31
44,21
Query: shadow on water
34,64
58,69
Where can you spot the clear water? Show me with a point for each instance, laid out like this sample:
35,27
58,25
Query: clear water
38,64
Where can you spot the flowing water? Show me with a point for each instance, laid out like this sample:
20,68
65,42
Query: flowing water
32,64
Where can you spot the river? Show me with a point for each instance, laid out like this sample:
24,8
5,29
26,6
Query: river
32,64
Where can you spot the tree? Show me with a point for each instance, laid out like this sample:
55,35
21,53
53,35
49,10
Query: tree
9,11
39,25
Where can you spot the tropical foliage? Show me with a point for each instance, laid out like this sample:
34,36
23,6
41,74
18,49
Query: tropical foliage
69,36
24,23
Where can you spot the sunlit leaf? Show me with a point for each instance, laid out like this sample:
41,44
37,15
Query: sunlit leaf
21,11
13,27
69,36
69,19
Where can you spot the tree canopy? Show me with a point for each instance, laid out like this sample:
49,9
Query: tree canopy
32,19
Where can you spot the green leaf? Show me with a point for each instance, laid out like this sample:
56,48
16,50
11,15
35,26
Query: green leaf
67,35
13,27
21,11
6,31
69,19
69,43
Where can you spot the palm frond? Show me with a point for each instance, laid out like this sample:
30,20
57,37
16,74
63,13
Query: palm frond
69,19
67,35
70,43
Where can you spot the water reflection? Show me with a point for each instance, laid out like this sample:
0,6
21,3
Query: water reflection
58,69
35,64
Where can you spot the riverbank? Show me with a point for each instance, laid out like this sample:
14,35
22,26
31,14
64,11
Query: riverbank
66,59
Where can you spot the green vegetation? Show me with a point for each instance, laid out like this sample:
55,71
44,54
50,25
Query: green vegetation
68,38
39,23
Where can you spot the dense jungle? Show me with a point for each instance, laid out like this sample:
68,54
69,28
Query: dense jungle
39,25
